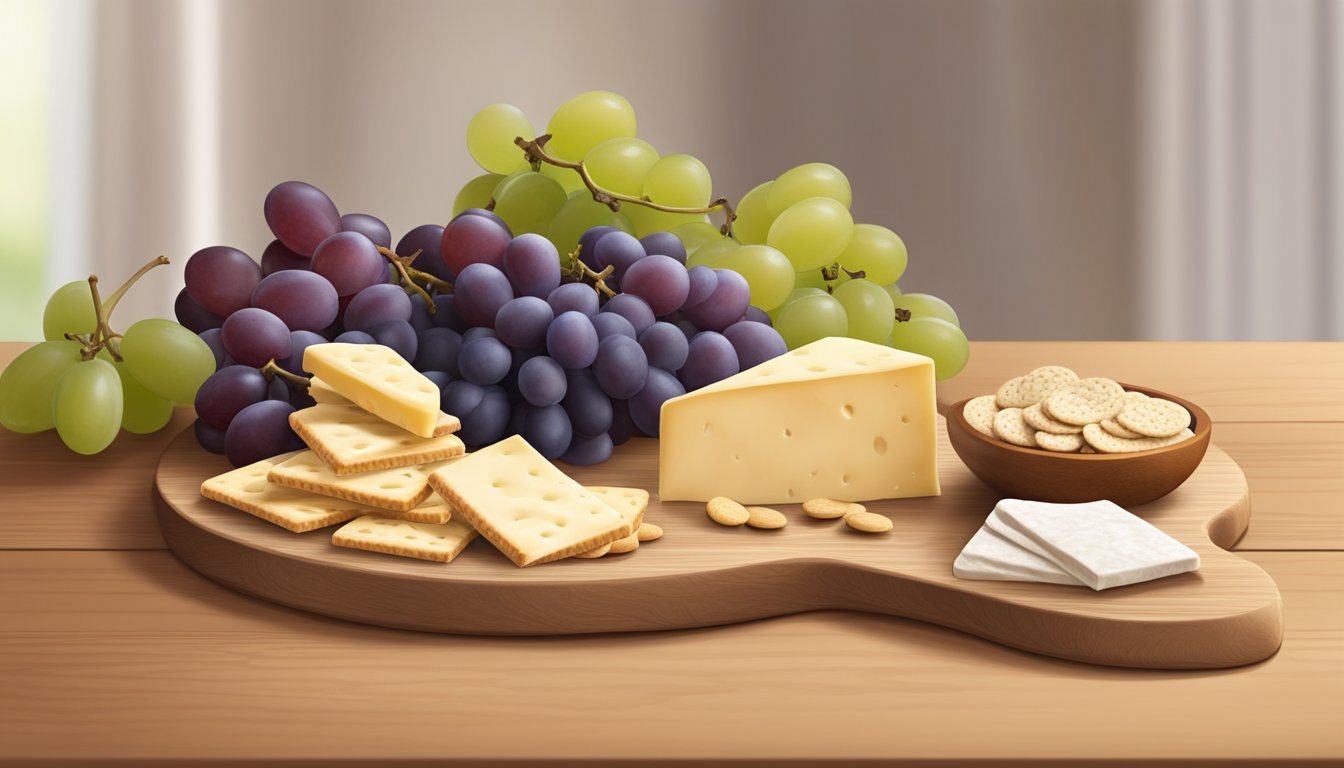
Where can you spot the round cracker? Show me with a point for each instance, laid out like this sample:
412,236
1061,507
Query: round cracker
1085,402
1154,417
1034,387
1037,419
1105,442
1112,426
628,544
649,532
593,554
725,511
1070,443
868,522
767,518
830,509
979,413
1010,428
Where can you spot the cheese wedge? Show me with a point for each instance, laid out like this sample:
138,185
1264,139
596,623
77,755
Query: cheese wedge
349,439
838,418
378,380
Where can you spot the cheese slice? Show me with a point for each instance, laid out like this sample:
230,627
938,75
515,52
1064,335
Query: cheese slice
990,557
524,505
349,439
322,393
378,380
838,418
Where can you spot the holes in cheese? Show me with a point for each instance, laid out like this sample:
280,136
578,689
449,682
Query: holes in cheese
378,380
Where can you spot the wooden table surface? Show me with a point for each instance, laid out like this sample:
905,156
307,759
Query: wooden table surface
113,651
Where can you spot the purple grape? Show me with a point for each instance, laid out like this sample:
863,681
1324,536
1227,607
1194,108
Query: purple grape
572,340
754,342
376,305
632,308
711,358
611,324
278,390
399,336
522,322
487,421
576,297
426,239
210,438
301,216
228,391
355,337
439,378
588,243
491,215
350,262
471,240
216,345
532,265
587,451
480,291
621,367
221,279
548,430
278,258
193,316
254,337
305,301
758,315
646,406
260,431
484,361
420,317
541,381
665,346
665,244
701,283
725,305
460,398
622,426
589,408
660,281
445,316
617,249
371,227
437,351
476,333
301,341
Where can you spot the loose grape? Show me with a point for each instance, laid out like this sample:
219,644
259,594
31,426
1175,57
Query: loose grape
808,180
28,384
221,279
301,216
490,136
86,406
70,310
254,336
168,359
587,120
868,308
936,338
812,232
304,301
350,262
877,252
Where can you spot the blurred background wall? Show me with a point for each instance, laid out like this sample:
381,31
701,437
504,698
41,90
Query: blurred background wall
1059,170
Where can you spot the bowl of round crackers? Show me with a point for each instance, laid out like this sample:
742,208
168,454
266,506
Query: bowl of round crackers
1051,435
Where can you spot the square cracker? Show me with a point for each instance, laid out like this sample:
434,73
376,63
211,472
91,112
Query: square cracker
425,541
524,505
247,489
351,440
630,502
396,489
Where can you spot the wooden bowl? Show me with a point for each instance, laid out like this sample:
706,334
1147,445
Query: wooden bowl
1128,479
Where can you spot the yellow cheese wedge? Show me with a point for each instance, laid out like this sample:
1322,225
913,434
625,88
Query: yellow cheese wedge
378,380
838,418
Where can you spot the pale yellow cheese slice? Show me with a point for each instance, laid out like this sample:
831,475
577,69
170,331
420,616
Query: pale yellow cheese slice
397,489
425,541
349,439
524,505
378,380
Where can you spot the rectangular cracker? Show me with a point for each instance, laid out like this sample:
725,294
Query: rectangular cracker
247,489
425,541
524,505
396,489
990,557
377,379
321,392
351,440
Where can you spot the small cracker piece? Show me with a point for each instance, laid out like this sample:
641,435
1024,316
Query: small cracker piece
1154,417
1105,442
593,554
725,511
424,541
1112,426
247,489
1060,443
397,489
649,532
1085,402
766,518
1010,428
628,544
1037,419
979,413
830,509
869,522
351,440
1034,386
630,502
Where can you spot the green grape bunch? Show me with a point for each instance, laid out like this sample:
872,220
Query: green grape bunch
88,382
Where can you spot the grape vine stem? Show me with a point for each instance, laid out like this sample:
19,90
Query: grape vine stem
578,271
102,334
408,275
536,153
271,370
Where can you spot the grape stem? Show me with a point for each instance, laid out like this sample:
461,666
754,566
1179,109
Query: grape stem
101,332
126,286
535,150
271,370
407,275
103,337
578,271
902,315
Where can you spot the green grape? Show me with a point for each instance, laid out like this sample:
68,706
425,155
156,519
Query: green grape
808,318
142,412
28,383
476,193
69,310
171,361
812,232
579,213
86,406
894,291
587,120
753,221
569,179
927,305
877,252
490,136
647,220
713,255
808,180
696,234
936,338
528,201
620,165
869,309
679,181
795,294
812,278
768,272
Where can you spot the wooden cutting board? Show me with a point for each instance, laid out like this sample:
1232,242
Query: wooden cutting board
1229,613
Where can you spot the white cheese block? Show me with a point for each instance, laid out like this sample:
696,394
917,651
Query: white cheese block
838,418
1098,542
378,380
990,557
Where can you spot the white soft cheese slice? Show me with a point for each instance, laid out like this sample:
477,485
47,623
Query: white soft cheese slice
378,380
838,418
990,557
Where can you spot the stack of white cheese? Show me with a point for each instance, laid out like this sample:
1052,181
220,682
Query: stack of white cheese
1097,544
